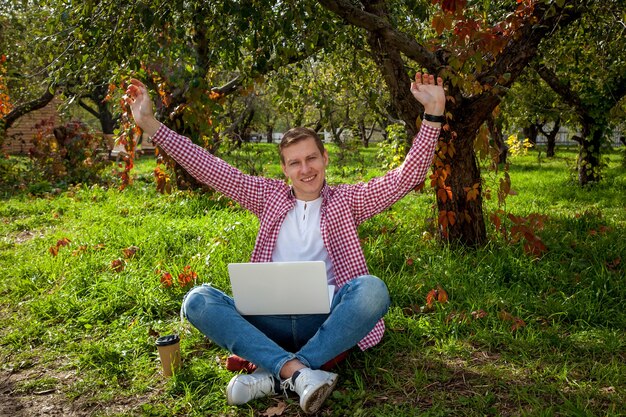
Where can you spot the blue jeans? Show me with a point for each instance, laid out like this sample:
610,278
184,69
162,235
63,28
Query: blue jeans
271,341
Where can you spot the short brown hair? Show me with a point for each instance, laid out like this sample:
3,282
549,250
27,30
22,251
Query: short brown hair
297,134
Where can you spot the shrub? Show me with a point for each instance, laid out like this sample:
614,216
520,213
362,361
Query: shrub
393,150
68,153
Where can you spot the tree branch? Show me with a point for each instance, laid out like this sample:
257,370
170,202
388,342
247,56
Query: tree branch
523,47
562,89
7,121
86,106
394,38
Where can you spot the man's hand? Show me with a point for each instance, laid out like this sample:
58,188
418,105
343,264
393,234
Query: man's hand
429,94
138,99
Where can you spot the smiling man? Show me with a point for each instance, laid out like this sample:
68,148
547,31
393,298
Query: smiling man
308,220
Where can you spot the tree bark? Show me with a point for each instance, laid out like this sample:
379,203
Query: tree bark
589,157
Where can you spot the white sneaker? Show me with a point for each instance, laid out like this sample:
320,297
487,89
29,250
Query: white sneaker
313,387
243,388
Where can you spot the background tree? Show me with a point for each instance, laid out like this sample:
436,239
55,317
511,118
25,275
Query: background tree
533,107
586,67
480,49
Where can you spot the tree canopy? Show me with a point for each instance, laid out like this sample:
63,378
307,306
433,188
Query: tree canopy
283,57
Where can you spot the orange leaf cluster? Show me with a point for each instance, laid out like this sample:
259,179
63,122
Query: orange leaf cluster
54,250
523,228
215,95
472,192
436,295
5,101
163,181
186,277
477,40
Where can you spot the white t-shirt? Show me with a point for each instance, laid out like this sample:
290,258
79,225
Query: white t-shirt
300,238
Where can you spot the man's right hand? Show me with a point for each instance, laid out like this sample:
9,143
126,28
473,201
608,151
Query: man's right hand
138,99
430,95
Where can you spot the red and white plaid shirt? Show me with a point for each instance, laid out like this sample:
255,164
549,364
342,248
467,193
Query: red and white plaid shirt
344,207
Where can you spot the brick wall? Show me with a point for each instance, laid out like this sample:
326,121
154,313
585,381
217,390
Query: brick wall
20,135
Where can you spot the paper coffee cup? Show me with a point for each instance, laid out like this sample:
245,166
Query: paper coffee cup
169,352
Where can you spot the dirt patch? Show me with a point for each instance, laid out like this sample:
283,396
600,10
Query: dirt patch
37,393
16,399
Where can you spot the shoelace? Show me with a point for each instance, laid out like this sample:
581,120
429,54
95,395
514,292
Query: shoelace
287,384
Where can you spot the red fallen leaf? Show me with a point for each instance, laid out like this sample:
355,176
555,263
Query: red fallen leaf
187,276
54,250
479,314
612,266
117,265
431,297
517,324
440,295
63,242
166,279
79,250
130,252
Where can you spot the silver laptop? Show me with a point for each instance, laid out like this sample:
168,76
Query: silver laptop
280,288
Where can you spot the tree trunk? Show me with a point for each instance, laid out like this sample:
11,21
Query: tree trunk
466,225
531,132
269,129
589,156
551,136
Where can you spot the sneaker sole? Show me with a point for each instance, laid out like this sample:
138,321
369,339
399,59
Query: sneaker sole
316,399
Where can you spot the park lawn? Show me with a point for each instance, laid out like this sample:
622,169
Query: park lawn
515,334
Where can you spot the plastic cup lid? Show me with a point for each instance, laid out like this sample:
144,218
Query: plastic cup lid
170,339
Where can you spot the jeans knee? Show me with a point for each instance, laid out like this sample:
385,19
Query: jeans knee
376,293
198,301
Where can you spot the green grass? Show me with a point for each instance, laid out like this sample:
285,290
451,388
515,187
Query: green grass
73,325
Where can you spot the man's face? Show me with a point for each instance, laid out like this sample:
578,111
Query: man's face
305,166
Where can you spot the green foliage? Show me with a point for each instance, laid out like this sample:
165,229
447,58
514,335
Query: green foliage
393,149
348,158
68,153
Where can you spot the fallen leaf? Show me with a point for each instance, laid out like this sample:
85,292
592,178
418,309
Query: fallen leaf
117,265
479,314
276,410
130,251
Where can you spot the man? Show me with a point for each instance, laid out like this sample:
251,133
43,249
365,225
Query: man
308,220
